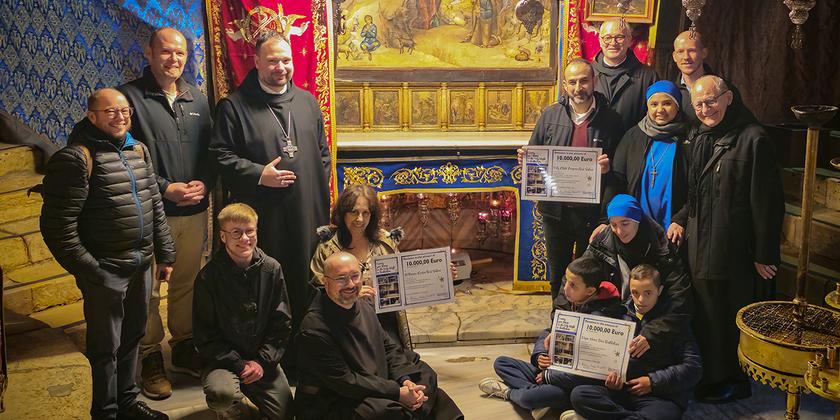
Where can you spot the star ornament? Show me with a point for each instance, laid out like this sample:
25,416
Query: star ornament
260,19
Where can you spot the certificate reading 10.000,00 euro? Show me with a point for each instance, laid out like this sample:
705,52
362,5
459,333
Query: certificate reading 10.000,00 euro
565,174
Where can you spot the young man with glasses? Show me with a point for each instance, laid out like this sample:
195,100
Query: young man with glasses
173,120
620,77
103,221
736,208
350,368
242,322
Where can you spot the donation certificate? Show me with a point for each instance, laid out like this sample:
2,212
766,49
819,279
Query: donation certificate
559,173
590,345
412,279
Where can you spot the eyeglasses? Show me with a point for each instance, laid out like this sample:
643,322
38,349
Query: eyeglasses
112,112
710,102
237,234
609,39
347,278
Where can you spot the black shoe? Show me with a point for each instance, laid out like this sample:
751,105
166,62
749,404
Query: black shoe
723,392
185,359
140,411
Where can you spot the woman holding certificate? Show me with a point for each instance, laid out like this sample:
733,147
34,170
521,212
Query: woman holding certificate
355,229
651,162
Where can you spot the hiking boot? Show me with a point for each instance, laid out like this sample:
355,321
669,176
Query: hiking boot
153,381
240,410
140,411
185,359
494,388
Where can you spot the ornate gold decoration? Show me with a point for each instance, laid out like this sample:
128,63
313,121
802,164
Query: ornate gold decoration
416,175
386,108
771,378
572,26
260,19
348,108
449,172
516,175
363,175
483,175
538,251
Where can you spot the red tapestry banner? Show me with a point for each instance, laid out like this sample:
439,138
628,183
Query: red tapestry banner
581,36
234,27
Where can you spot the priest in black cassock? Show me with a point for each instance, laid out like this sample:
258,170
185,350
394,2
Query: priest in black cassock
736,208
350,368
273,155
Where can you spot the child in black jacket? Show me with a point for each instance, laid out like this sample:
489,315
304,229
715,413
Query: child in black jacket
662,378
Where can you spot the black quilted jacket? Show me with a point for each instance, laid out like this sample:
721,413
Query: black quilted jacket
112,221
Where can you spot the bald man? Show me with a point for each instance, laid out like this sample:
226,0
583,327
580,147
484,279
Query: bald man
620,77
582,118
351,368
103,221
172,118
736,209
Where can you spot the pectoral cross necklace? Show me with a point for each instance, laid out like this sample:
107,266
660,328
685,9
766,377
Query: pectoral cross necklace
654,165
290,147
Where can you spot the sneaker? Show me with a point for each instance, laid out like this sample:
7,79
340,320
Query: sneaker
494,388
540,413
140,411
185,359
570,415
153,381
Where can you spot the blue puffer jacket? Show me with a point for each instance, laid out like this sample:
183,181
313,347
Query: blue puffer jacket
112,220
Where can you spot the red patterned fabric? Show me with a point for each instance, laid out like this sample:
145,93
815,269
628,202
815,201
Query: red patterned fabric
583,36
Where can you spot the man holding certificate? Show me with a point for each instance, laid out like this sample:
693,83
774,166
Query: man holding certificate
582,118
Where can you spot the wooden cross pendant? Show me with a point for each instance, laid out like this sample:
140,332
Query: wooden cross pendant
290,149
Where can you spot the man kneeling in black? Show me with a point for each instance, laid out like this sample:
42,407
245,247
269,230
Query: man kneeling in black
349,367
242,322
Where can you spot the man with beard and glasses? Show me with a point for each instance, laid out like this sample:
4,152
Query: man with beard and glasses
621,78
350,367
103,221
172,118
736,207
581,118
272,152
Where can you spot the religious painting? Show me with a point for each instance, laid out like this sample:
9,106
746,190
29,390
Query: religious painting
535,102
639,11
386,108
424,108
454,40
348,109
462,107
499,107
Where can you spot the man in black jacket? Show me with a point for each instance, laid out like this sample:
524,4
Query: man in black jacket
736,208
621,78
172,118
103,221
352,369
582,118
242,322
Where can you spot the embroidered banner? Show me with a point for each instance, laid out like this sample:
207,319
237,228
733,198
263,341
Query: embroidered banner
235,26
54,53
467,175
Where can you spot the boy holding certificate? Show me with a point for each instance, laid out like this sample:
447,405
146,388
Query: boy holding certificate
662,378
531,385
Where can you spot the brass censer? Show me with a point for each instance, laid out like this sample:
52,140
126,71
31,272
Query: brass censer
779,338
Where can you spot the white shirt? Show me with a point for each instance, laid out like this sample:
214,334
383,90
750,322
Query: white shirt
579,118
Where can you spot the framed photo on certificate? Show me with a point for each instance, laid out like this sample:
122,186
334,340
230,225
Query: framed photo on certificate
412,279
560,173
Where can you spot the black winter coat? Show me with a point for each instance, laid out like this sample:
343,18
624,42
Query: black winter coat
113,220
629,163
626,95
677,301
241,314
177,136
736,200
556,127
674,366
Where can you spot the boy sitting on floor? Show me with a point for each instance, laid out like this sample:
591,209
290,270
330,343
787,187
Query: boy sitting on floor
531,385
663,377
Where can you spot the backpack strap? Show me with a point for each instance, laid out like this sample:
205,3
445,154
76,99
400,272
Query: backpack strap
139,149
88,158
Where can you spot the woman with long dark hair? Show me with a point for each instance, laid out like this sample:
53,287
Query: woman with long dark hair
355,229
